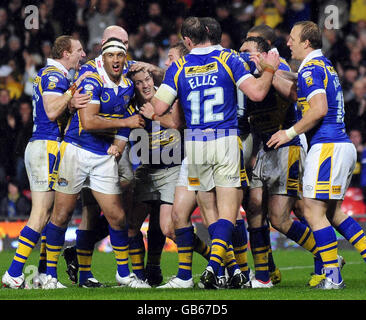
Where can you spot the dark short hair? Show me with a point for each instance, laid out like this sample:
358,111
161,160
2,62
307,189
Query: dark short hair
180,47
213,29
194,29
266,32
130,74
310,31
61,44
262,44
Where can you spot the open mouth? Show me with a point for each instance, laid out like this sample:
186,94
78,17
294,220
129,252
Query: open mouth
116,67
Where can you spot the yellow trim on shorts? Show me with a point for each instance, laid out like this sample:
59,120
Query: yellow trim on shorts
326,152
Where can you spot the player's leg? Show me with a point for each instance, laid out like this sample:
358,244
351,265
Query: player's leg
136,249
347,227
91,224
318,274
118,231
258,237
55,234
155,241
86,237
28,238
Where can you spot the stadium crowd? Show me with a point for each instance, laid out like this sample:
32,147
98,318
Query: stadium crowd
153,26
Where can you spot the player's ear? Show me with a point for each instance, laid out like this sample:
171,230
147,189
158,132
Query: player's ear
307,44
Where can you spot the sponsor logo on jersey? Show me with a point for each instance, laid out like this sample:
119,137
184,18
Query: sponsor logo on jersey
195,71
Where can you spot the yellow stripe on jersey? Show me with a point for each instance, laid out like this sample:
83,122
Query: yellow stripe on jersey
97,77
91,63
180,63
228,70
319,63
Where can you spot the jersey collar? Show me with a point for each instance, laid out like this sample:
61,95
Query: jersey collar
313,54
108,83
58,65
206,50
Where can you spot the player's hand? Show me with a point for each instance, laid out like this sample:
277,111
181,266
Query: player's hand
138,66
147,110
257,58
278,139
82,77
79,100
114,151
272,59
135,121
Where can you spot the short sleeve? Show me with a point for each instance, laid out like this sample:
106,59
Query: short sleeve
311,81
54,83
238,70
93,88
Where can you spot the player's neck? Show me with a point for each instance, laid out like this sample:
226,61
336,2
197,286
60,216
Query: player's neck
202,45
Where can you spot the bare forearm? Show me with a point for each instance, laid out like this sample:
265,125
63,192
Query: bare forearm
97,123
55,106
285,87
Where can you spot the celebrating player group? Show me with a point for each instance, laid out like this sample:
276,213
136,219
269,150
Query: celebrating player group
131,140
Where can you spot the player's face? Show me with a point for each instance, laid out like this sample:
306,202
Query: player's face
113,64
173,55
144,85
76,55
295,44
249,47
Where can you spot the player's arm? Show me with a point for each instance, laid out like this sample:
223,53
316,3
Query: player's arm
318,108
56,102
92,121
157,72
286,84
257,88
171,119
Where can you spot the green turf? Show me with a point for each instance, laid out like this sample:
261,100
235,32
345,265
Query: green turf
295,266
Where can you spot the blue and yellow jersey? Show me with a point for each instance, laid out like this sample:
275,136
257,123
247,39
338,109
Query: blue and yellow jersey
206,82
114,104
50,80
165,145
317,75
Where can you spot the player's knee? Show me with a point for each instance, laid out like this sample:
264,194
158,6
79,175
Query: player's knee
117,221
61,218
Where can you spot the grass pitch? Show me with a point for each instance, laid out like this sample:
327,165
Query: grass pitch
295,265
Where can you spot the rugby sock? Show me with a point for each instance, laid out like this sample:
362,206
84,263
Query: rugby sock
42,264
240,244
201,247
119,242
184,241
136,251
55,239
353,233
211,230
155,243
85,240
271,263
327,244
230,260
303,236
259,248
220,241
28,238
